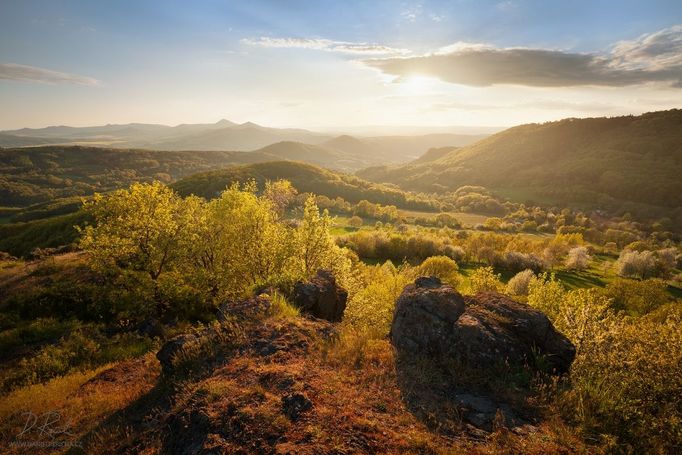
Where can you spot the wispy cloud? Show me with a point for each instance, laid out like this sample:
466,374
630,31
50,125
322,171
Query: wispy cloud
24,73
344,47
655,57
545,104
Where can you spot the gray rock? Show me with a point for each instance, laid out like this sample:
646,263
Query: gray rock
321,297
490,328
469,342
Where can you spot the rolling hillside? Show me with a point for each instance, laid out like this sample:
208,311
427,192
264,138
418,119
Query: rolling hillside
40,174
622,163
304,177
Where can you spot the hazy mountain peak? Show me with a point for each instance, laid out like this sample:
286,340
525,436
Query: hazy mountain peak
224,122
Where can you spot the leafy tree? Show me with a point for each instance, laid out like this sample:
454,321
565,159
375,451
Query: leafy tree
241,244
147,228
355,221
315,248
578,258
281,193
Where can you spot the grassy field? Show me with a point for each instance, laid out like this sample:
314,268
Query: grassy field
468,219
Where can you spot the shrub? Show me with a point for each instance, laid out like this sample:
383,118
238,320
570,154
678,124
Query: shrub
516,262
370,309
484,279
518,285
454,252
627,382
546,294
442,267
637,297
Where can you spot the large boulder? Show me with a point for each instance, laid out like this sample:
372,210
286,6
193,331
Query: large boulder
321,297
435,320
469,354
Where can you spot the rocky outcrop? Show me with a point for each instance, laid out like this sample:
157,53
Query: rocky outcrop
477,345
321,297
170,350
253,308
435,320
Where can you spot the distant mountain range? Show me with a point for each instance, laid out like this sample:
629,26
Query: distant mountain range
342,152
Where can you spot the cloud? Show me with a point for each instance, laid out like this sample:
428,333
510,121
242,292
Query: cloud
344,47
655,57
547,104
24,73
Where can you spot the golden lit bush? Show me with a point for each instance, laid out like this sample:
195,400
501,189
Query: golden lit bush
370,309
442,267
518,284
637,297
626,381
484,279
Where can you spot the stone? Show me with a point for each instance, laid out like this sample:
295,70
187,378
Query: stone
295,404
321,297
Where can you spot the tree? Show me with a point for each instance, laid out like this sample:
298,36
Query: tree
355,221
315,246
281,193
578,258
484,279
147,228
636,264
242,245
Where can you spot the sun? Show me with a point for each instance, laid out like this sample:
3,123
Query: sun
416,85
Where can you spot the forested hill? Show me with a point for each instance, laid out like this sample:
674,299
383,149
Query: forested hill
621,162
305,178
40,174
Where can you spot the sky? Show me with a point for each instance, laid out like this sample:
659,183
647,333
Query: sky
327,65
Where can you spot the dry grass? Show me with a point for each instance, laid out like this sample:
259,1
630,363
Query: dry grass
77,402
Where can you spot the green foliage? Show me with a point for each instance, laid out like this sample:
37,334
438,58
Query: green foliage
519,283
442,267
546,294
147,228
624,163
19,239
370,307
637,297
82,348
484,279
59,172
627,382
355,221
305,178
174,257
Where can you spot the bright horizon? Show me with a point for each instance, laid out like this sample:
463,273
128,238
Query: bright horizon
400,66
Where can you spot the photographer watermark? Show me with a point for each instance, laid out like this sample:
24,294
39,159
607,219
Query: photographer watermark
46,430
